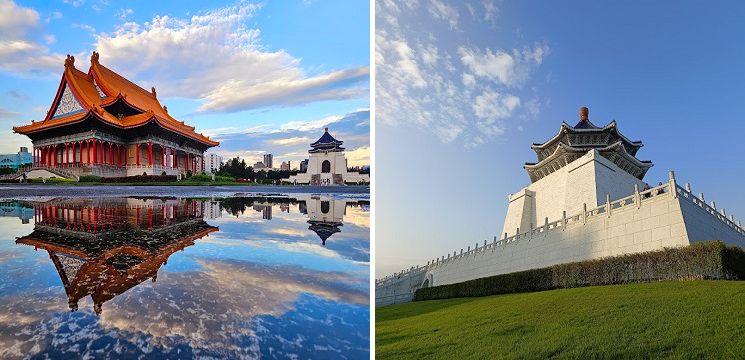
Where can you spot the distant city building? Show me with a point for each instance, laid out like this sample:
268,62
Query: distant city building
14,161
265,210
269,161
304,166
259,166
212,163
212,209
327,165
285,166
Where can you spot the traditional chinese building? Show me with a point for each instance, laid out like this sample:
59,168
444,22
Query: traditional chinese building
104,247
102,124
586,200
326,216
327,165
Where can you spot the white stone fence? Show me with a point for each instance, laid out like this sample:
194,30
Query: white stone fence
637,199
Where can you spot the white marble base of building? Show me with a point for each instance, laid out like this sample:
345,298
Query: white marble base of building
664,216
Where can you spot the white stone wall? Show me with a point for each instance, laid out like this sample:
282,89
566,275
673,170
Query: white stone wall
657,223
586,180
645,221
399,288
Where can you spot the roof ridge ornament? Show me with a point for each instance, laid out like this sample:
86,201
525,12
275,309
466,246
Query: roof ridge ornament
152,90
584,113
94,57
70,61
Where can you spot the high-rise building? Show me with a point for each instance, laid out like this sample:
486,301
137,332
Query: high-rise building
212,163
268,161
285,166
304,166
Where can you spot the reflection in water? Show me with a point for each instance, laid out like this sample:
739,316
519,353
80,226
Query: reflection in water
167,277
104,247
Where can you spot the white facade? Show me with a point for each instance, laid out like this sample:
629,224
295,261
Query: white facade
327,165
212,163
587,180
337,173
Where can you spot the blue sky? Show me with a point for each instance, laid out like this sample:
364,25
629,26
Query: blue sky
257,69
464,88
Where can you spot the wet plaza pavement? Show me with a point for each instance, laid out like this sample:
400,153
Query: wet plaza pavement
270,276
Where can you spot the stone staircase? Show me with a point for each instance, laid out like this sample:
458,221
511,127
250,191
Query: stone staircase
56,171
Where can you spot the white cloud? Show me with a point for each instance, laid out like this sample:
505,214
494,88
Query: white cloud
445,12
124,13
490,10
465,93
469,80
74,3
509,69
55,15
7,114
359,156
491,105
216,57
295,140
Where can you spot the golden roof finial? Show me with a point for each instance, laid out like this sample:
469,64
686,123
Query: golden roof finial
584,112
94,57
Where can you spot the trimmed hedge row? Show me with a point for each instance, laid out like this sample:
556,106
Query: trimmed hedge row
706,260
139,179
89,178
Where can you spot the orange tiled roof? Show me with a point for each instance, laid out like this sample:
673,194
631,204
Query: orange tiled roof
116,88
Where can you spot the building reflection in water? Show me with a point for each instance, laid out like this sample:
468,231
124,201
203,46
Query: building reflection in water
326,215
103,247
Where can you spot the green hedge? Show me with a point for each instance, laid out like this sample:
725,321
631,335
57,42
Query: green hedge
89,178
139,179
706,260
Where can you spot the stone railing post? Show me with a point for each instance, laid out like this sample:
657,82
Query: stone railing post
637,197
545,225
563,220
673,188
688,187
607,204
584,213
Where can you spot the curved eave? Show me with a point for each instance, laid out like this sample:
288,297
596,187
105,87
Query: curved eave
566,129
565,149
125,123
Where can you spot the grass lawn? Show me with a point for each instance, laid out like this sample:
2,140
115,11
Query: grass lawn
680,320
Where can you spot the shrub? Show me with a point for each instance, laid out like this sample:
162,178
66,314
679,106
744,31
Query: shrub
89,178
163,174
139,179
188,173
706,260
200,178
224,179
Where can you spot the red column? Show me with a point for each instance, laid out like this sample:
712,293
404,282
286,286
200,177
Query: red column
163,158
111,153
125,155
119,154
95,151
137,154
54,155
73,152
150,153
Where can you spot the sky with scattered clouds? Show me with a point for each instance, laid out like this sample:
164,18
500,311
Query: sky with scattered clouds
464,87
284,69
